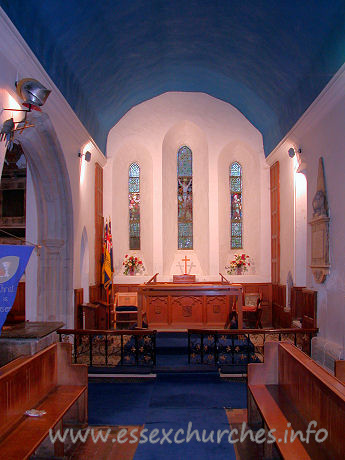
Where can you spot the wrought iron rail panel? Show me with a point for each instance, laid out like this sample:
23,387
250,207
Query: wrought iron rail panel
238,347
111,348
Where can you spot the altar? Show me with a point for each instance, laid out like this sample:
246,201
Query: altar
182,306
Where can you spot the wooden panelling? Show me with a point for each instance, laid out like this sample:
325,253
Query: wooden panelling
275,223
23,387
280,316
310,305
186,309
95,293
297,302
126,288
339,370
46,381
170,305
264,288
291,388
157,310
279,295
99,221
316,394
217,309
78,300
303,307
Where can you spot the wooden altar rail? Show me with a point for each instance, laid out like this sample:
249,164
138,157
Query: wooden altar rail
101,336
305,334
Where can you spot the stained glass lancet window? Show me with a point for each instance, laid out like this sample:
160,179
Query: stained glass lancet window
185,198
134,206
236,205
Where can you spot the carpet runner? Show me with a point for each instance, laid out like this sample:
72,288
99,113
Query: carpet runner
172,401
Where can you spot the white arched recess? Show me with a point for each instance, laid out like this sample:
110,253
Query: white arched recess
85,265
163,124
54,221
255,210
189,134
132,151
300,229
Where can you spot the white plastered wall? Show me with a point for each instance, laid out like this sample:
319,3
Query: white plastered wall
319,133
128,153
255,176
208,126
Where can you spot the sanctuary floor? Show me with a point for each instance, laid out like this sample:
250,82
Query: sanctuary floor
170,402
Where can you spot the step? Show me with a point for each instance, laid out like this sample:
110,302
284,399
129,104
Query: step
172,352
171,335
190,376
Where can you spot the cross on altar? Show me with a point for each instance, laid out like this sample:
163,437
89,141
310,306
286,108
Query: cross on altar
185,260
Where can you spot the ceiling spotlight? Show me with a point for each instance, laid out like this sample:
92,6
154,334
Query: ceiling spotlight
291,152
87,156
33,93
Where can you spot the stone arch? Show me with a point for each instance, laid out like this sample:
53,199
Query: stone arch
54,220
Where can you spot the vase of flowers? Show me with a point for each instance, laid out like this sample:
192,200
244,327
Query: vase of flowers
238,265
132,265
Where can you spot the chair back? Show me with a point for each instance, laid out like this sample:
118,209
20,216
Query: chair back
252,299
126,299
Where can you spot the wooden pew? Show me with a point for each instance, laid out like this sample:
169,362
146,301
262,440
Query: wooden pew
289,387
46,381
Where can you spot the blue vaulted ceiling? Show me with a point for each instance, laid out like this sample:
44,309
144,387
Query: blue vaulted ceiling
268,58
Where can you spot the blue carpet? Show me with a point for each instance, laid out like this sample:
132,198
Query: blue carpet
119,403
171,402
172,354
171,351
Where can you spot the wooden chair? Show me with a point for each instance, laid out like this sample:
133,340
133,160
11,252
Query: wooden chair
125,309
252,308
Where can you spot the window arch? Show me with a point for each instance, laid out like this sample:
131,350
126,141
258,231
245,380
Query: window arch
134,205
185,198
236,227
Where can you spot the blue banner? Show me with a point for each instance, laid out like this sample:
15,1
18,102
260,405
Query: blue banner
13,261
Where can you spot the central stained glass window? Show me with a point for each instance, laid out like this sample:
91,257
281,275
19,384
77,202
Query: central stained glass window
236,205
185,198
134,206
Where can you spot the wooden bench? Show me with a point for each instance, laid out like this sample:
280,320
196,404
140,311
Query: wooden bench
289,387
45,381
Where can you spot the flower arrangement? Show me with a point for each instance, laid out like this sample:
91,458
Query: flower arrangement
239,264
132,265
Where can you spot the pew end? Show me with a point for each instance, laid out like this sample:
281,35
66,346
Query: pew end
287,392
267,372
45,381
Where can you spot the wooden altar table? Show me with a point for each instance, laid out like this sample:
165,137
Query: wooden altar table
181,306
